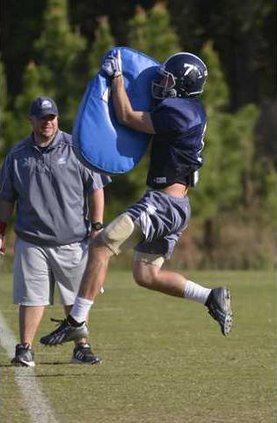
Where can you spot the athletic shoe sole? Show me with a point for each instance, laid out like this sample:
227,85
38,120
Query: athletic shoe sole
23,363
220,309
229,315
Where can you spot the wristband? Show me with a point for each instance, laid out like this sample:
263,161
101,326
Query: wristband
3,226
116,75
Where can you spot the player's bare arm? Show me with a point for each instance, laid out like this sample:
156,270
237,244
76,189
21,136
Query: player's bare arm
6,210
138,120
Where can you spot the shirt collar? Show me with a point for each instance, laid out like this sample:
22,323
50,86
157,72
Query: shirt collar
55,143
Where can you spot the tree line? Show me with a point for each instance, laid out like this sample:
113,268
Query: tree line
234,206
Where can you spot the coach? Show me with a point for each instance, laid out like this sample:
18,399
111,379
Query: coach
59,205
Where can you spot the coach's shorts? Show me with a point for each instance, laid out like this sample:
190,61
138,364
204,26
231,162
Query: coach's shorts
152,226
38,269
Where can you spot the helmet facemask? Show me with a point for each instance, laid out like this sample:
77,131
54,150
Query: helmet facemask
163,86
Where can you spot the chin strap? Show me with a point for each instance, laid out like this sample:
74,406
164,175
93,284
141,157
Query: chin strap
172,93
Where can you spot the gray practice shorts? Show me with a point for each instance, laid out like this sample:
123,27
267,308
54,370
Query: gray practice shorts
152,226
37,269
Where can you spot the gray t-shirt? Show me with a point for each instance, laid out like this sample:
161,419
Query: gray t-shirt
50,188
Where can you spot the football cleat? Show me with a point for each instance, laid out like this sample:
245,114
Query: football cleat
24,356
82,354
65,333
219,306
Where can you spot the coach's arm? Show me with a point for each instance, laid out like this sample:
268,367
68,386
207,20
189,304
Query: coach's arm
6,210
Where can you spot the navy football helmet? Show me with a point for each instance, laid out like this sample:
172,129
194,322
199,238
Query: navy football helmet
181,75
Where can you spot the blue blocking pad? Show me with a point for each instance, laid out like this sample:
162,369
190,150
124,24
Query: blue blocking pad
100,142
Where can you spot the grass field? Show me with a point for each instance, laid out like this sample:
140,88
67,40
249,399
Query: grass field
164,359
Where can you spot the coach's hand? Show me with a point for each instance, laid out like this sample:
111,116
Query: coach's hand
112,65
2,237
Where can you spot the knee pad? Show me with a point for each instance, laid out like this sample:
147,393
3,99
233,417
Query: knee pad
152,259
121,234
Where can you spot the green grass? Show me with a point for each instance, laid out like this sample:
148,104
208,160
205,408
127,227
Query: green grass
164,359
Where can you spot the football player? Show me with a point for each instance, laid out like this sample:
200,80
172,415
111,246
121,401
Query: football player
153,225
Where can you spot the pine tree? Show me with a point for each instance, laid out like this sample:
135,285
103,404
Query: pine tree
205,201
7,130
152,32
103,42
138,31
162,38
32,87
59,51
269,197
227,180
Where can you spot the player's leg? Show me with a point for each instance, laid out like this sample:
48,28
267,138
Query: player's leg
118,235
148,273
68,263
163,218
74,327
82,352
96,270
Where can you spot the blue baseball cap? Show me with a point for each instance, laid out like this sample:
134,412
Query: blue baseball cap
43,106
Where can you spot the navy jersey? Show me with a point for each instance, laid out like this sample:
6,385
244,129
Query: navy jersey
179,124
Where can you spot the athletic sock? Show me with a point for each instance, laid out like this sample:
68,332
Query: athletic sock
196,292
80,310
73,322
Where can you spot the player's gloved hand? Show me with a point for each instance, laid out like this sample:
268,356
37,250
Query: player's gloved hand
2,237
112,65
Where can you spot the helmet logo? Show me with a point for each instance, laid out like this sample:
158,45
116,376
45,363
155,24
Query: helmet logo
189,68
